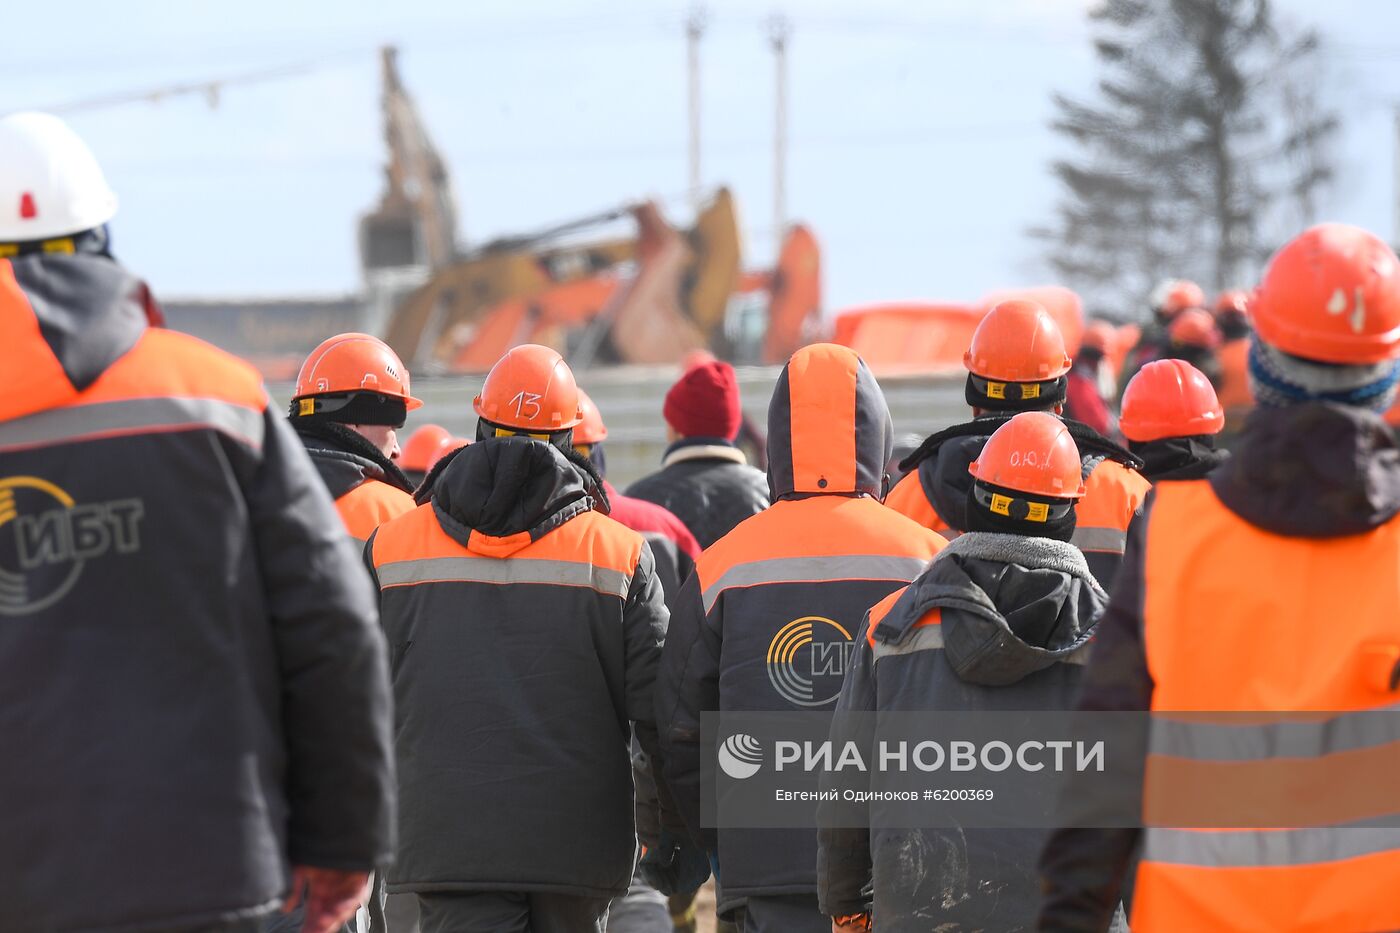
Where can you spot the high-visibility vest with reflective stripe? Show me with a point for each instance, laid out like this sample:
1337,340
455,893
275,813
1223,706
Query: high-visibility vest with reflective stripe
1237,619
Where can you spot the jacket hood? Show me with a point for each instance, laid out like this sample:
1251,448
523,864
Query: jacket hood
63,321
1315,470
945,479
1010,605
829,429
498,495
1179,457
344,459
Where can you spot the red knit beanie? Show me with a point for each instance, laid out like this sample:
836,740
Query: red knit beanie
704,402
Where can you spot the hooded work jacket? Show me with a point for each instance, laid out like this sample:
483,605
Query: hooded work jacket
997,622
367,487
805,570
525,627
934,493
193,690
1299,532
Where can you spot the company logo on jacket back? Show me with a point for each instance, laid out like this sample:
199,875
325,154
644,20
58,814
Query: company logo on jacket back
807,660
47,537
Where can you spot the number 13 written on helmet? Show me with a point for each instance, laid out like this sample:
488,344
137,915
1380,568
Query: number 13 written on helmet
527,404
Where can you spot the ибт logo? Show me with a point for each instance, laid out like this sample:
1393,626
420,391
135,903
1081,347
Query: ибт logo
807,660
46,538
740,756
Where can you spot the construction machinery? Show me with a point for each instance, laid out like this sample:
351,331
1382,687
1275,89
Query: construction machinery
647,298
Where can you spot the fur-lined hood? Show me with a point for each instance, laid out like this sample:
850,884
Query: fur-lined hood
1009,605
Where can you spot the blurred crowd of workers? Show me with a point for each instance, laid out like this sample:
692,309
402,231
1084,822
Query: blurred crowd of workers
252,661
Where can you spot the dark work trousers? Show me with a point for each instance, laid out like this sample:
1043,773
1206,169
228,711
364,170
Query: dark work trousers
783,913
511,912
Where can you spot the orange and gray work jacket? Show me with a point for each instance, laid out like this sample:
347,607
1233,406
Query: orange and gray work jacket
769,619
1196,631
193,687
525,629
367,487
934,492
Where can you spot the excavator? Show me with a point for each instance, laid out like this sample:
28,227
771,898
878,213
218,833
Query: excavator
649,298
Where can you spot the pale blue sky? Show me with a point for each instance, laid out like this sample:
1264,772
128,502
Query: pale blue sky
918,151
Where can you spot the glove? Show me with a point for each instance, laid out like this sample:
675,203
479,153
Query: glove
675,865
328,897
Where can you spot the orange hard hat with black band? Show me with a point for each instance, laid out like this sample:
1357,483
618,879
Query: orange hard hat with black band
354,379
1027,476
1017,360
530,392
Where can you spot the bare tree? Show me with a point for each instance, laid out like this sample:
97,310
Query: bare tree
1204,148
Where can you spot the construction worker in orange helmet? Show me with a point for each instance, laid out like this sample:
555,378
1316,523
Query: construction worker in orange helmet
516,800
1170,418
1017,363
799,574
975,631
1090,382
1269,587
194,694
1167,301
352,396
1193,336
422,450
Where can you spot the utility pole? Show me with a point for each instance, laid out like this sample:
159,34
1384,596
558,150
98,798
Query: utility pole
1395,156
694,30
779,30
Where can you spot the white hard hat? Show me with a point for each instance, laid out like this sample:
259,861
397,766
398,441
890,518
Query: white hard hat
50,182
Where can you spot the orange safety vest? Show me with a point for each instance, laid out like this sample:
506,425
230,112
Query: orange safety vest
1235,395
1239,620
370,505
908,499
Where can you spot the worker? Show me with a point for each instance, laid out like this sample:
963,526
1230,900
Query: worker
801,573
704,480
1017,363
421,451
525,629
1193,337
1168,299
1001,620
1090,382
1170,418
352,396
1232,317
1269,586
193,688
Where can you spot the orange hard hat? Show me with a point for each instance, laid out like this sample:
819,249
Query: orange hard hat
590,429
1331,294
448,445
1232,299
354,363
1101,336
530,388
1194,327
1032,453
422,446
1174,296
1017,341
1169,398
